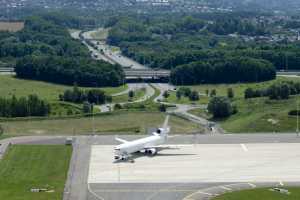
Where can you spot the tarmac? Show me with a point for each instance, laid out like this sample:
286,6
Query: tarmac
204,167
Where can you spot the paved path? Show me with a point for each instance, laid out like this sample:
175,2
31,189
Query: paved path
182,110
148,94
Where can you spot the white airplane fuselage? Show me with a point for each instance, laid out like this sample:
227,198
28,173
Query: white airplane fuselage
139,145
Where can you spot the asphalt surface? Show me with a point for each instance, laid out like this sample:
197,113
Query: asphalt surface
78,189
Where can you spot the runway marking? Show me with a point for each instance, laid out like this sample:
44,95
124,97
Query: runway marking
252,185
93,193
226,188
244,147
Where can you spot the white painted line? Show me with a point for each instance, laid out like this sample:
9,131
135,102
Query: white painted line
244,147
226,188
94,194
252,185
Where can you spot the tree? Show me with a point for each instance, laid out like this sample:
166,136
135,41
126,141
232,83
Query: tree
207,92
220,107
249,93
284,91
131,94
162,108
178,95
166,94
194,96
213,92
230,93
86,107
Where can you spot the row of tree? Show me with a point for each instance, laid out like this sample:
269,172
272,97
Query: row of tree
276,91
92,96
68,70
23,107
230,71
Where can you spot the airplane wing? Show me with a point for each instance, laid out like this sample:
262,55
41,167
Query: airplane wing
121,140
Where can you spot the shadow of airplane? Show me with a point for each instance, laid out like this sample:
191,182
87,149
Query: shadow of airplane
137,155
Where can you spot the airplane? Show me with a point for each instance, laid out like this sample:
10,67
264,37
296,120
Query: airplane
149,145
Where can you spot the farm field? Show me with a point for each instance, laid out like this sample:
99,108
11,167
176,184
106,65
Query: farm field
11,26
26,167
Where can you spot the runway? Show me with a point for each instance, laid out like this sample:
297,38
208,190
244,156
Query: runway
215,163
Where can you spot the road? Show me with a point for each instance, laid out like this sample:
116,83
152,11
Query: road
103,49
181,110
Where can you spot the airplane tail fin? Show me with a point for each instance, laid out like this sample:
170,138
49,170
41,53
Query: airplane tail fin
166,128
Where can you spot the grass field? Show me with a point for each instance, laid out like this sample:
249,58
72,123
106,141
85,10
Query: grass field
185,100
124,98
26,167
238,88
258,115
122,122
260,194
262,115
11,26
20,87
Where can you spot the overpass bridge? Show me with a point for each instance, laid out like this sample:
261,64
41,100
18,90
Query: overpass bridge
130,74
146,74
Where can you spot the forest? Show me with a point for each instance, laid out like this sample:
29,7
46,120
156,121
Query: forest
44,50
171,42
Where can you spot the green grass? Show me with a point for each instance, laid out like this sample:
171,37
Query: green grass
260,194
104,124
48,91
124,98
26,167
147,105
238,88
185,100
262,115
258,115
65,108
201,113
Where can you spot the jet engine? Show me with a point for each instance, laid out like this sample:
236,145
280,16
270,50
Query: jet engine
151,151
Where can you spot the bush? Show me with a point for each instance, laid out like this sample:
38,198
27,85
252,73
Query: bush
294,112
166,94
194,96
178,95
131,94
230,93
213,93
118,106
221,107
1,130
87,107
162,108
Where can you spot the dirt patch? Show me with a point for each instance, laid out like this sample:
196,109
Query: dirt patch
11,26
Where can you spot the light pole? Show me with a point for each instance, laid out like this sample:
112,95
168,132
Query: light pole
297,116
93,119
